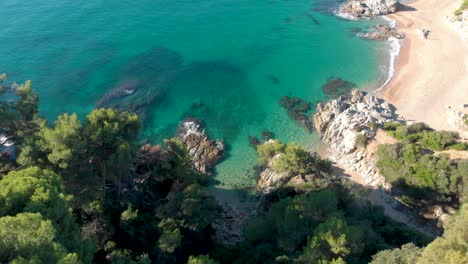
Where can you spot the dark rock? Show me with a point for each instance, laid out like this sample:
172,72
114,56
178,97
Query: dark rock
298,109
267,135
273,79
382,32
335,87
204,152
254,141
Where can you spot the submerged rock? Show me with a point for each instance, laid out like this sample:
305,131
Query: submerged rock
204,152
335,87
368,8
298,109
382,32
347,124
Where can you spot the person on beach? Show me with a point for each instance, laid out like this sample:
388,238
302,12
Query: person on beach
423,33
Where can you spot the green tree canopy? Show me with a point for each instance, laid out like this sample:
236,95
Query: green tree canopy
201,259
29,238
452,247
33,190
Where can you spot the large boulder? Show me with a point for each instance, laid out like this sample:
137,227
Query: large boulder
204,152
368,8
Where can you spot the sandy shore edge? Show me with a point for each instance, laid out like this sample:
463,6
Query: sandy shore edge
430,75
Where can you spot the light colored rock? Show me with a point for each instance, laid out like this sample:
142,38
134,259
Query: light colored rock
456,121
368,8
344,122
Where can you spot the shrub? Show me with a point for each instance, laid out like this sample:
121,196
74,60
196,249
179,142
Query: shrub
422,177
409,253
392,126
295,160
459,146
361,140
372,125
269,149
420,132
439,140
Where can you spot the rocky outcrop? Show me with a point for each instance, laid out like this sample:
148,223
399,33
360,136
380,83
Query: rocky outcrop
298,109
347,124
269,179
458,120
204,152
382,33
368,8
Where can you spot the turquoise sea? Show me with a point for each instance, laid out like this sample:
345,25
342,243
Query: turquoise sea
227,62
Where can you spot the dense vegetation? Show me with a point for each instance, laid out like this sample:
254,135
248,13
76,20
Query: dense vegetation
333,225
84,191
421,177
291,158
451,247
427,137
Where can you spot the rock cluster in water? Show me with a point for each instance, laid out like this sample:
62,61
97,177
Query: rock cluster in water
204,152
368,8
347,124
382,32
298,109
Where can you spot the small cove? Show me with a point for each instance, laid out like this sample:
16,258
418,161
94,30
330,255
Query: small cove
226,62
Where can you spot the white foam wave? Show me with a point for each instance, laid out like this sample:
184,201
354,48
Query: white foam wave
394,52
337,13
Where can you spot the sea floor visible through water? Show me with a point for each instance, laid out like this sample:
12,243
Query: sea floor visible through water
225,62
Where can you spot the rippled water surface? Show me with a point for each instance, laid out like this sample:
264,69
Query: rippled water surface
227,62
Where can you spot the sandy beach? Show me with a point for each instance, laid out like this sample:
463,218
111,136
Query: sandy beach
431,74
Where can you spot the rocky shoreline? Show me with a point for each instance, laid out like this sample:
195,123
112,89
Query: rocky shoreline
348,124
382,33
204,152
367,8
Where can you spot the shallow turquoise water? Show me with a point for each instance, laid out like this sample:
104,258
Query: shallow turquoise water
227,62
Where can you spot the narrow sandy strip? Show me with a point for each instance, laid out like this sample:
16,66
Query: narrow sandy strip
432,73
